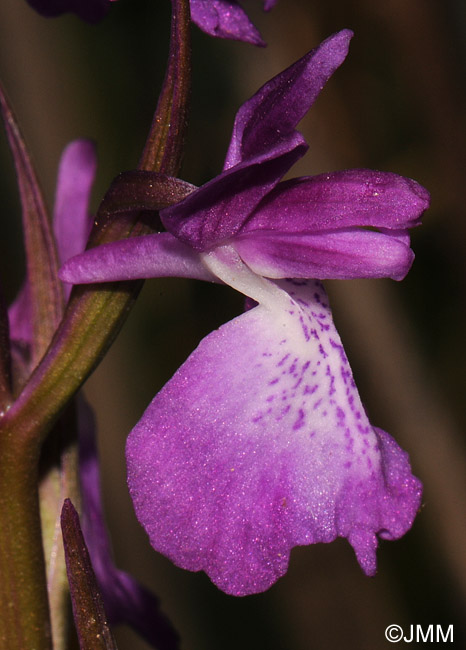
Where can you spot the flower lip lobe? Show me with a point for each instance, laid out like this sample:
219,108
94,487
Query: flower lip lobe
234,464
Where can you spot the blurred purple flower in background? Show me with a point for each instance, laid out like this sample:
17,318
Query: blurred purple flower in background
260,442
226,19
221,18
89,10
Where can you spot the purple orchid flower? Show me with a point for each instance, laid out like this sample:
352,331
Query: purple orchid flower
259,442
126,601
221,18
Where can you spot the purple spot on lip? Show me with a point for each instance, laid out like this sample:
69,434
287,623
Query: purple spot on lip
347,464
317,404
282,361
274,381
284,411
339,347
345,375
340,413
297,383
305,329
309,390
300,421
322,351
332,388
293,367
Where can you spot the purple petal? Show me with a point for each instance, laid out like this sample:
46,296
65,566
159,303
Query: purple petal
125,600
225,19
264,146
337,255
89,10
218,209
21,337
275,110
260,443
356,197
150,256
72,221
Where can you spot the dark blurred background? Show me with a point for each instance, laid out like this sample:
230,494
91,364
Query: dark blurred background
397,104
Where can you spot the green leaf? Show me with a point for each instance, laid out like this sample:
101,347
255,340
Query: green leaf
44,286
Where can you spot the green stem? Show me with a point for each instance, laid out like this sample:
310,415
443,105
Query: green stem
24,616
92,320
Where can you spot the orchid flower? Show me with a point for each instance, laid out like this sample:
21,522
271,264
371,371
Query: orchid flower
126,601
221,18
259,442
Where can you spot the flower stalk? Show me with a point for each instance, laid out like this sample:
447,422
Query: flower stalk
92,320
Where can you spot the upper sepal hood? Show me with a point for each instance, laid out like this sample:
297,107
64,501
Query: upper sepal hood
263,147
